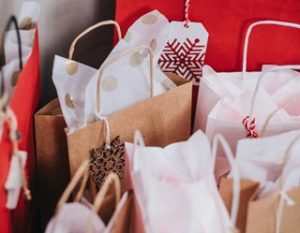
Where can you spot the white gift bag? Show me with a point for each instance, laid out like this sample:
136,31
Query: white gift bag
271,166
274,163
175,189
237,104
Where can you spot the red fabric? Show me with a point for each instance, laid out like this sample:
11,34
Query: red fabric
226,22
24,102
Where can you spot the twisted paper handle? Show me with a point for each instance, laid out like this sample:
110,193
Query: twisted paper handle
86,31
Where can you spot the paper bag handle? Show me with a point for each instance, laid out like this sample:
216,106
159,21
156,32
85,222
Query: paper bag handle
113,60
269,118
283,195
11,21
81,172
258,23
112,177
97,25
259,80
219,139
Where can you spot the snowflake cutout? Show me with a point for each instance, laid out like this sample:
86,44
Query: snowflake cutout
185,60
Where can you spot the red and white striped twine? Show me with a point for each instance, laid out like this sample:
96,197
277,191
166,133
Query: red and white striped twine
252,133
186,13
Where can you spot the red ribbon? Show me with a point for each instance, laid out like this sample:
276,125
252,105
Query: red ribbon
186,13
250,128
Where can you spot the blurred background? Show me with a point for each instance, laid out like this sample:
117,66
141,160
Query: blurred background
60,22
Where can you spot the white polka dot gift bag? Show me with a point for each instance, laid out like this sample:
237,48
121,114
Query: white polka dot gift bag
128,92
175,187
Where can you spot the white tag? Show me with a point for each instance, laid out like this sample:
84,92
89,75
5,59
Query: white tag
14,181
184,53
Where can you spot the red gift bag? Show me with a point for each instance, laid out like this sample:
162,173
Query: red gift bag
226,22
23,102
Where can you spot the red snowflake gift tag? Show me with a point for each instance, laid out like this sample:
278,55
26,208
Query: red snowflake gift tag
184,52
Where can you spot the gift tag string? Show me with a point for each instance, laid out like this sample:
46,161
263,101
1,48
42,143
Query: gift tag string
107,138
186,13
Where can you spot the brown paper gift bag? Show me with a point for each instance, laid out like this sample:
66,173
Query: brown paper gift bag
51,145
109,197
162,119
278,213
262,214
52,157
248,189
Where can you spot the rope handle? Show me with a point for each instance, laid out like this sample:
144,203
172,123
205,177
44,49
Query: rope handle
219,139
249,121
259,23
81,172
113,60
97,25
